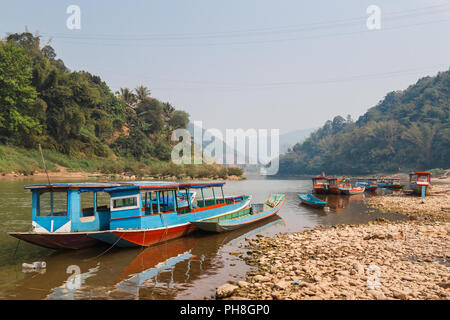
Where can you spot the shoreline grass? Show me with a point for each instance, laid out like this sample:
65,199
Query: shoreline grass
27,162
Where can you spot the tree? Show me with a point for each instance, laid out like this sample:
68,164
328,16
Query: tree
141,93
150,112
17,96
127,97
179,120
408,129
421,137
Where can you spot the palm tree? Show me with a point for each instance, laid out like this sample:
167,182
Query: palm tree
142,93
127,96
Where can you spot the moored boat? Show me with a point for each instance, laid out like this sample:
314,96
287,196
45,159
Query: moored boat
334,185
353,190
369,184
311,200
164,222
320,184
389,183
420,182
80,215
243,217
347,188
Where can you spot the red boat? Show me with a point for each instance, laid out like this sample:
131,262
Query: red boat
419,181
334,185
320,184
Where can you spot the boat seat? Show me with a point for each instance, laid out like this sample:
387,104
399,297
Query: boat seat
273,204
87,219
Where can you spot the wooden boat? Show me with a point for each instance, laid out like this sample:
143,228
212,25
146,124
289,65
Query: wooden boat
132,213
352,190
347,188
311,200
420,182
334,184
320,184
244,217
395,184
369,184
389,183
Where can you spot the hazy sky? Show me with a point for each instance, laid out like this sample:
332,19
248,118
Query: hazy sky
286,64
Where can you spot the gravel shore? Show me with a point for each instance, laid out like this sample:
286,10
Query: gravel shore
436,206
381,260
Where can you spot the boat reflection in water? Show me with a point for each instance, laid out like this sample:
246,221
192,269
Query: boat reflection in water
157,272
338,202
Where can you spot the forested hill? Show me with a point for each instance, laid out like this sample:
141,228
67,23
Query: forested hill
408,129
75,112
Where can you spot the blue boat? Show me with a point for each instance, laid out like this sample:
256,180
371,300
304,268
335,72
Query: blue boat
141,213
311,200
244,217
389,183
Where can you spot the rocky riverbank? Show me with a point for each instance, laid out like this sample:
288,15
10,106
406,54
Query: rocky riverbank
436,206
379,260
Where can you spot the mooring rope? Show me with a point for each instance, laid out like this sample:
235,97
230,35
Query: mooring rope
101,254
15,251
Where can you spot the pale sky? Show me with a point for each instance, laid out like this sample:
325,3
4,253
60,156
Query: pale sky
248,63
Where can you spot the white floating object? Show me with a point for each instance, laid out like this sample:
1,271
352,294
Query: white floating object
35,265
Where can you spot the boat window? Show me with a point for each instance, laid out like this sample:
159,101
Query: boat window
87,204
91,200
122,203
422,178
103,200
52,204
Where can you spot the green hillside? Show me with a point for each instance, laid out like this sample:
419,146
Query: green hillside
408,129
76,118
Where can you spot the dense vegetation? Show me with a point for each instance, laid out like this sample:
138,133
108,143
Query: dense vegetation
76,118
408,129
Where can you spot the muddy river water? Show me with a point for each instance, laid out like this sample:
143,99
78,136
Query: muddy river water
185,268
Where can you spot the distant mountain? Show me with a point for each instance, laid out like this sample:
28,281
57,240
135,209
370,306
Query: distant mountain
408,129
288,140
227,150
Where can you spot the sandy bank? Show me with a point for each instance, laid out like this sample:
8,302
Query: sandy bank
382,260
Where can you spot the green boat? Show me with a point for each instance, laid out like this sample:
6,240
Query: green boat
243,217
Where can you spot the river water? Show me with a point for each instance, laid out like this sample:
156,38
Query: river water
185,268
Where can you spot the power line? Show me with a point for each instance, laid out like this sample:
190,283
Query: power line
438,9
282,84
215,44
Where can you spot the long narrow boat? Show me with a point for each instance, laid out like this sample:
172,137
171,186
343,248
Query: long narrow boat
352,190
244,217
389,183
346,188
124,214
369,184
311,200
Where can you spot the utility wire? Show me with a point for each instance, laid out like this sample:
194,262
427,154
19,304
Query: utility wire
268,41
438,9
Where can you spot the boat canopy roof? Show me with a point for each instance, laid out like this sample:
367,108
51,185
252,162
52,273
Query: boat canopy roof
132,185
424,173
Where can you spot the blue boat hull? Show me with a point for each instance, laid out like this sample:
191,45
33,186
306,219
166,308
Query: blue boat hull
312,201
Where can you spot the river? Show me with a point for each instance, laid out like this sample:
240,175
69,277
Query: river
185,268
